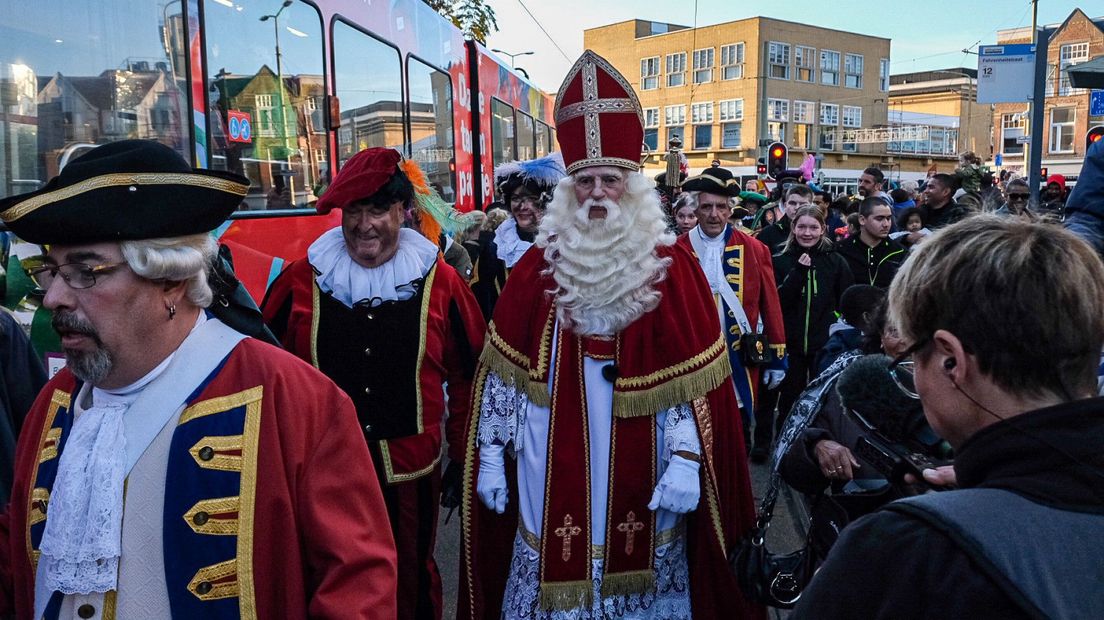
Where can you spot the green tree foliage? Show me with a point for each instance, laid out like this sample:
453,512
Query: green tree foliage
474,17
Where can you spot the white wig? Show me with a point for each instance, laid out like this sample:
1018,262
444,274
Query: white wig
175,259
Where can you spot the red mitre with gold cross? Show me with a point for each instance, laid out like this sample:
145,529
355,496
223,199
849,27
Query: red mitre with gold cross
598,117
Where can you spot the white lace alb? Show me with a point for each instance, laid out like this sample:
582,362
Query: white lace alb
350,282
511,247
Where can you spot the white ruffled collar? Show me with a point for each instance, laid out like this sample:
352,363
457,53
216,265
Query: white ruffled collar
511,247
350,283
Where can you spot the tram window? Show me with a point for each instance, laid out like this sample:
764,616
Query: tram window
431,135
525,138
69,82
265,64
502,132
541,136
368,79
551,139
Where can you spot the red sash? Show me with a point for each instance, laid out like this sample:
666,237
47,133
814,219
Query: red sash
565,531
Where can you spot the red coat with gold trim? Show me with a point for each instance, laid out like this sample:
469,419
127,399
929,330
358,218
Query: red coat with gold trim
392,359
277,436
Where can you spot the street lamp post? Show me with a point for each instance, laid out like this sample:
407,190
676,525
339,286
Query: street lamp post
280,91
512,56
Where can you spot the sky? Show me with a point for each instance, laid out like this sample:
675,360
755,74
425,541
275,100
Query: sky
927,34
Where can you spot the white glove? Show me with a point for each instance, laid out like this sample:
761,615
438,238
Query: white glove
773,378
491,483
679,488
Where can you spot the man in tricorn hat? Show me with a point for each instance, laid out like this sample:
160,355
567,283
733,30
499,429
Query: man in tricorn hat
525,187
605,473
375,307
741,277
176,468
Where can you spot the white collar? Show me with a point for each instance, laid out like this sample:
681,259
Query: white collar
511,247
713,241
350,283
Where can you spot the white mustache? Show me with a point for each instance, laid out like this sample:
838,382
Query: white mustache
613,210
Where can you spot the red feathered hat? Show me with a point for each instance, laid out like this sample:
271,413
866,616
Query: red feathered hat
363,175
598,117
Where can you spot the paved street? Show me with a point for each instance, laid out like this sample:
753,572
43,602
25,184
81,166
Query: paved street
783,536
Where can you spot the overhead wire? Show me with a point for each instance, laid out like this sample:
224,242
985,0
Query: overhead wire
539,25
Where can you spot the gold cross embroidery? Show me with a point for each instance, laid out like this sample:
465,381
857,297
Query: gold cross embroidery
631,526
566,532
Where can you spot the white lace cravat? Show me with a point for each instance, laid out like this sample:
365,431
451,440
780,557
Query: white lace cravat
350,283
713,263
81,544
511,247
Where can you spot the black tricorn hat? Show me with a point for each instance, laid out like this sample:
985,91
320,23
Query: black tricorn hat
132,189
714,181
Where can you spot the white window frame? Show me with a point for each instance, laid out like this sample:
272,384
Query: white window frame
651,118
704,60
674,115
805,57
778,110
740,129
829,114
701,113
677,72
851,116
883,75
851,71
804,112
1013,126
732,57
1069,55
830,70
1060,130
778,55
730,110
649,70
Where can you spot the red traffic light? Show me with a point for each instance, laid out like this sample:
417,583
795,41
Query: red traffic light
777,152
1095,135
776,159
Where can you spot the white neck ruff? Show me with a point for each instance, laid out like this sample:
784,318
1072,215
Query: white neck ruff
350,283
511,247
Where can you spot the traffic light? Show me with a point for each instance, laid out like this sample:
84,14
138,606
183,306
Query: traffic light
1043,174
1095,135
776,159
761,166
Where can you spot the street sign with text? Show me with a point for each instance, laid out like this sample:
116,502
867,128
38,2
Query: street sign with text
1096,103
1006,73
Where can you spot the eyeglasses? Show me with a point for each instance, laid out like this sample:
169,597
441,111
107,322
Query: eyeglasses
517,201
901,369
76,275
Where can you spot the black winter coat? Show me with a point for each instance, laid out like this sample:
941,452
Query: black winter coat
809,296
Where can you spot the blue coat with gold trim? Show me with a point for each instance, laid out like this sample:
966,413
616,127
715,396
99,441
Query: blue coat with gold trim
264,516
748,269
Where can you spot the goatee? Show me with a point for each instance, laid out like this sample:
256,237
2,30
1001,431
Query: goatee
88,366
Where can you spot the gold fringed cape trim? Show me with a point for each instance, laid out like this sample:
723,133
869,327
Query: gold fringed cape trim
510,372
624,584
566,595
672,391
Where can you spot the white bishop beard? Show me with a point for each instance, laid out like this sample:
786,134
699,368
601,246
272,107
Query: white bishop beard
606,270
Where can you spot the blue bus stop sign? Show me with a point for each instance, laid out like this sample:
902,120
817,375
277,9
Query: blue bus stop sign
1096,103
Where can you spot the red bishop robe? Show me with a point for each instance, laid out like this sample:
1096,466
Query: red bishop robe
263,427
671,355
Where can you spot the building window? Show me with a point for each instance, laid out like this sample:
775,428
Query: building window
265,119
804,61
730,135
829,114
676,132
853,70
850,147
1061,130
852,116
649,73
778,57
703,66
703,136
1012,128
676,69
883,75
778,110
803,111
802,136
674,115
731,110
827,138
776,131
1069,55
701,113
732,61
651,139
829,67
651,118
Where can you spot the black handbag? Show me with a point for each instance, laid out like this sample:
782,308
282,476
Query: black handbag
755,350
769,578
